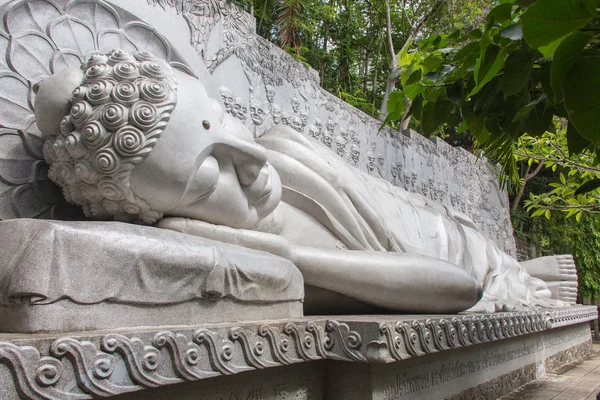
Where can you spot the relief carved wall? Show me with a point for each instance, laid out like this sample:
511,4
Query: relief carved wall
264,86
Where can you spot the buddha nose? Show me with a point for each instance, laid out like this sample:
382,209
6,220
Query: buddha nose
248,158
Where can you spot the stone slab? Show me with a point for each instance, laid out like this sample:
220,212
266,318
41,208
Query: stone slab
512,347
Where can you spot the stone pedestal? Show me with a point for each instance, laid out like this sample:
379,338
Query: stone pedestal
362,357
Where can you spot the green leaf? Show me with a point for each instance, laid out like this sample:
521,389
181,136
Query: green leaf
565,56
517,71
414,77
396,104
548,20
547,214
416,108
513,32
588,186
456,91
431,63
442,110
413,91
524,112
545,81
428,121
475,34
499,14
549,49
468,51
404,57
582,96
579,215
488,66
575,142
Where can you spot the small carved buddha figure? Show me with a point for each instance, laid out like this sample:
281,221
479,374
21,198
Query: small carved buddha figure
285,118
319,125
314,132
304,118
344,134
295,104
276,114
394,171
340,146
257,112
355,154
327,139
270,94
330,126
297,124
238,106
227,96
137,141
370,161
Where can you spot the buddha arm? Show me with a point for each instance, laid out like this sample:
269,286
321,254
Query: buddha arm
395,281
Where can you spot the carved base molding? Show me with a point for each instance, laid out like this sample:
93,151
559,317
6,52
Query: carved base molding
104,364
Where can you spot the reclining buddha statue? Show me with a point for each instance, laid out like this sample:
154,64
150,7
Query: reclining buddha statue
129,138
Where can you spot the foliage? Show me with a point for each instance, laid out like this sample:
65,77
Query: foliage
568,173
532,61
567,236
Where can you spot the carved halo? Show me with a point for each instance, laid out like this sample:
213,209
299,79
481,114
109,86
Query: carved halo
40,38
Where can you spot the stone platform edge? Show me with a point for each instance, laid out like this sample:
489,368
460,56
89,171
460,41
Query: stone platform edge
87,365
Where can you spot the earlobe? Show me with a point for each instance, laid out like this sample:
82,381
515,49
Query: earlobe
52,101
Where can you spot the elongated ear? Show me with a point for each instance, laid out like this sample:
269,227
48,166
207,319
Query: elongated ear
52,101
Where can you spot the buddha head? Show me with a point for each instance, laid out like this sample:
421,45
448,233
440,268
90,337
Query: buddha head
297,123
355,153
340,146
319,125
314,132
276,113
270,94
304,117
227,96
127,137
295,104
370,161
330,125
285,118
257,112
327,139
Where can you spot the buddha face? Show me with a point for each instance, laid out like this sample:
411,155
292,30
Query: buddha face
327,140
270,94
355,153
313,132
340,146
297,123
276,112
304,117
319,124
238,106
206,165
394,171
285,118
257,113
227,96
344,134
295,104
330,125
370,161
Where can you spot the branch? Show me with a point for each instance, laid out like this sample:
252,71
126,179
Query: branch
562,162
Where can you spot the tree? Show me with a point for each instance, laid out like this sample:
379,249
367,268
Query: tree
533,61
